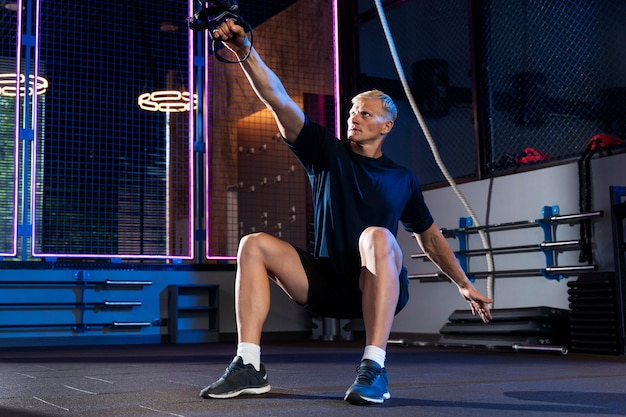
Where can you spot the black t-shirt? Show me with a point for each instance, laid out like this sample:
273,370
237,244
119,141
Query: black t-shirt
352,192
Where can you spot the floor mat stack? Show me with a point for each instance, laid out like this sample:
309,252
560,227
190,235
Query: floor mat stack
509,328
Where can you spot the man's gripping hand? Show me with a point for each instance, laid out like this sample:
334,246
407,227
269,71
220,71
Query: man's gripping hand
233,36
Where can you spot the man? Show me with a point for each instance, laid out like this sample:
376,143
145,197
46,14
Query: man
356,271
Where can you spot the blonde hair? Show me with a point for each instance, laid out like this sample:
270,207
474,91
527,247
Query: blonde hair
388,105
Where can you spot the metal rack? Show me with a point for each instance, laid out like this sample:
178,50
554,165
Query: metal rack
549,246
531,328
81,285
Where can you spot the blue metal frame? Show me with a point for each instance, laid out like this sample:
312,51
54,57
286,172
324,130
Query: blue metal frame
462,236
548,236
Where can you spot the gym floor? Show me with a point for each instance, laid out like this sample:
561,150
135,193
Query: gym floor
308,379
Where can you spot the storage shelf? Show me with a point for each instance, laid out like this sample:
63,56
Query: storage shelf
39,303
193,313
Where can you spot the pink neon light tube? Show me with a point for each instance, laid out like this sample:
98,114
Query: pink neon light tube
16,142
335,6
336,68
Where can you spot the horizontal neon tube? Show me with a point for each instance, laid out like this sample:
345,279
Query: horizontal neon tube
8,85
167,101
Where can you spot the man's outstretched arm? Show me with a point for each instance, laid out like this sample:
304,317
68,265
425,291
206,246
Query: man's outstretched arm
265,83
435,246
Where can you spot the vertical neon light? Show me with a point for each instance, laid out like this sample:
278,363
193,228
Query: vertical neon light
206,140
337,93
18,71
207,161
35,119
191,127
336,75
207,156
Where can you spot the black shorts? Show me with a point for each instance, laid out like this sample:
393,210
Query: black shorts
337,295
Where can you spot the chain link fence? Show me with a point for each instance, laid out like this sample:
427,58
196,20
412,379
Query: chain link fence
502,85
553,79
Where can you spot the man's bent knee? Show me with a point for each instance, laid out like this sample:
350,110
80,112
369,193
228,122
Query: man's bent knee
378,243
251,243
377,238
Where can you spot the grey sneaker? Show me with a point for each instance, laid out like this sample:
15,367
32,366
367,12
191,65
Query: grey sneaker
238,379
370,385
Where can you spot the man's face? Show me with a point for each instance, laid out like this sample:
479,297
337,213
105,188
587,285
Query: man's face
368,121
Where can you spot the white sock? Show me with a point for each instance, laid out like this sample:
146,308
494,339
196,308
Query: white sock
375,354
250,353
